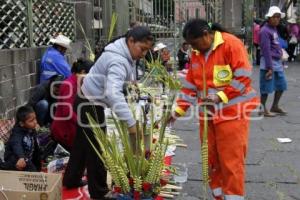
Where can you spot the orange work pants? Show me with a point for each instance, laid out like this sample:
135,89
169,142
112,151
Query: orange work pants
227,149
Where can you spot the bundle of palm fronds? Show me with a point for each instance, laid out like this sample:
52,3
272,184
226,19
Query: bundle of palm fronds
137,172
159,74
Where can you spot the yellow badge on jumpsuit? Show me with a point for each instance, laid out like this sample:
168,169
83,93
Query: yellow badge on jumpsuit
222,75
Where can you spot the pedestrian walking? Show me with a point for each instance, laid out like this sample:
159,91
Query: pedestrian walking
272,77
219,67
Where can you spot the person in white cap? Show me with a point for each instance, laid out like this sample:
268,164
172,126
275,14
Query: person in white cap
272,76
162,53
54,61
159,46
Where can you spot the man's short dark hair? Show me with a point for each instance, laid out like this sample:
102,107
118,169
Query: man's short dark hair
23,112
82,65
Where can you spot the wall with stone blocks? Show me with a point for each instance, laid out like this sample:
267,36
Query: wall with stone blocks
18,75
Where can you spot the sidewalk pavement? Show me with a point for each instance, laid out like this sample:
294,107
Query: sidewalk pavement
273,168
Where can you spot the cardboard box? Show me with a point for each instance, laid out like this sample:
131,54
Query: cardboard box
17,185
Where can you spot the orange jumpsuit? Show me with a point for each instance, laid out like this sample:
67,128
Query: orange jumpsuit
228,75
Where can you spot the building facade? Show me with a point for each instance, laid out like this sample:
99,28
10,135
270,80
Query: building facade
188,9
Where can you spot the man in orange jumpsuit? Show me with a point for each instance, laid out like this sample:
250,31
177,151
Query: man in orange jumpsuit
220,67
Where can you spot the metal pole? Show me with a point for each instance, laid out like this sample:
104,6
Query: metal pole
136,14
159,11
159,19
232,15
207,10
142,12
180,18
154,11
175,37
163,11
30,23
133,19
171,13
74,23
168,14
99,18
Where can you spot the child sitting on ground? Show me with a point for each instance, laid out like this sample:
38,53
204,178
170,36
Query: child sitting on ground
21,150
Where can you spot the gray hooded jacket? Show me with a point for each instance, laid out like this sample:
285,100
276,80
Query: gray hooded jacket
104,83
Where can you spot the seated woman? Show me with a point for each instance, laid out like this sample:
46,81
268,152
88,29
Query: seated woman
63,127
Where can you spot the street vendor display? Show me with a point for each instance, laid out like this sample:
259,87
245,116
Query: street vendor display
138,172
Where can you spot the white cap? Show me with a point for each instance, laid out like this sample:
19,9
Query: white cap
61,40
159,46
274,10
292,20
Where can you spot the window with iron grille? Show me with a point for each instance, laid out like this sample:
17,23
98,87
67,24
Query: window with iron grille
28,23
13,24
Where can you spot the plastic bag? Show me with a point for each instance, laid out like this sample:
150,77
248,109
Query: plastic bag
285,55
58,165
60,152
293,40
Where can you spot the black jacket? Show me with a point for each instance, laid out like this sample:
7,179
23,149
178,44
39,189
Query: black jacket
22,144
183,58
